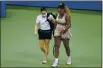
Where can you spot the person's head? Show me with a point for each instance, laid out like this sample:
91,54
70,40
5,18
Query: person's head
43,10
61,8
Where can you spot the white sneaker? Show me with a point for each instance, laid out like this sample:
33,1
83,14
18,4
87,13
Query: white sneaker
44,62
68,60
56,63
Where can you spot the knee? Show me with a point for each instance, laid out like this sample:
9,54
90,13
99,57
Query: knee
57,46
46,45
41,46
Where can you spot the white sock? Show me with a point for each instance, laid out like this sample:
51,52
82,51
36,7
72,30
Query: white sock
56,59
69,57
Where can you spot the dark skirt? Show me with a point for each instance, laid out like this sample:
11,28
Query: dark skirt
45,34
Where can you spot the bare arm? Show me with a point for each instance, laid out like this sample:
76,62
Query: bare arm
36,28
55,22
36,25
68,21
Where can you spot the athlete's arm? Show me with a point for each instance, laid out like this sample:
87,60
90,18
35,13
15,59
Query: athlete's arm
36,25
68,21
55,22
36,28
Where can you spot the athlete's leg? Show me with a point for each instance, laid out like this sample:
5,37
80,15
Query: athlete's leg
57,46
46,47
41,45
67,49
66,45
56,51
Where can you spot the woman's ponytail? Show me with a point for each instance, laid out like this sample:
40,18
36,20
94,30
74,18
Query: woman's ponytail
67,11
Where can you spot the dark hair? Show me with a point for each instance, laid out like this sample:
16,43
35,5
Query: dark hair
43,9
61,5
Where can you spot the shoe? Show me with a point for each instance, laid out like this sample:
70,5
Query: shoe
44,62
69,61
56,63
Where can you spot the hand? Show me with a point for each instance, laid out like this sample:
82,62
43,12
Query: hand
62,30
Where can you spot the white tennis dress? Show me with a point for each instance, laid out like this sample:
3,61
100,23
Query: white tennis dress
60,26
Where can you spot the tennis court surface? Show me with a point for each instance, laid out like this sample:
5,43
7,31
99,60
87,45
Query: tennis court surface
19,45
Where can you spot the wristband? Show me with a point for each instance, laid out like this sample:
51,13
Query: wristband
62,30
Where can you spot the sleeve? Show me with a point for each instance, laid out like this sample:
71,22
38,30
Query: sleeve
51,17
37,19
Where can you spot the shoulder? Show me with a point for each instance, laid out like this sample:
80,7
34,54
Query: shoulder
67,16
53,15
39,16
49,14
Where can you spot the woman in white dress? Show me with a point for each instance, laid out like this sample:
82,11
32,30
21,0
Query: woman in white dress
62,33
